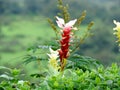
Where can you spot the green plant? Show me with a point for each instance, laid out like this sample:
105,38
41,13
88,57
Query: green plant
11,80
67,39
64,69
100,79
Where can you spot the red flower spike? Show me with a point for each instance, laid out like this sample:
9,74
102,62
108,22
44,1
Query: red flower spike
65,41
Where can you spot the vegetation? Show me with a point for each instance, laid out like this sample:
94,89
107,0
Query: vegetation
99,79
28,11
55,61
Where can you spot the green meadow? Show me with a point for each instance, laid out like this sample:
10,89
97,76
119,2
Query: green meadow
20,33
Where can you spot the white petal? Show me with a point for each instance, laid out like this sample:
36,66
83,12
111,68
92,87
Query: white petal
52,51
114,28
70,23
49,55
117,23
59,24
114,21
53,56
75,28
60,20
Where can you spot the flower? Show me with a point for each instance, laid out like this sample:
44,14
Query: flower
61,23
53,54
53,59
117,25
65,41
117,30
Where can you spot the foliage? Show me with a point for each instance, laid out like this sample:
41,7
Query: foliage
13,32
100,79
64,69
83,62
70,79
11,80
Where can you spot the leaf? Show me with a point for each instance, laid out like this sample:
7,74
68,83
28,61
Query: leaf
97,80
2,88
31,58
68,73
6,77
6,68
15,72
38,75
33,48
84,62
109,82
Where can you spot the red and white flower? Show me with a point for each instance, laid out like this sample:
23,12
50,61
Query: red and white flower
66,35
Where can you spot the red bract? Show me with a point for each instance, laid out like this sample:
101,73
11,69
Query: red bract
65,40
65,43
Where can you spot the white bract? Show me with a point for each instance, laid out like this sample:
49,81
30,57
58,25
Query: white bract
53,62
61,23
53,54
117,25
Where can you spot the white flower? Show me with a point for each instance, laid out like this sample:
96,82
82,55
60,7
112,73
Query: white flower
117,30
61,23
117,25
53,62
53,54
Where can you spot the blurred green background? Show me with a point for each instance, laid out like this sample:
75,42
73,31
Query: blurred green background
23,23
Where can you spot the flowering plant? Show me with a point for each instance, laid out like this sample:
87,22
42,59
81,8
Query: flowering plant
117,30
68,41
65,70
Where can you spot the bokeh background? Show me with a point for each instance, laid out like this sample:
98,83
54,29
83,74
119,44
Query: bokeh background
23,23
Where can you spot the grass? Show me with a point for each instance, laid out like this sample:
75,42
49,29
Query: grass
19,34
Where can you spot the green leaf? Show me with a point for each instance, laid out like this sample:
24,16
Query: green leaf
6,77
6,68
84,62
15,72
38,75
2,88
31,58
97,80
109,82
